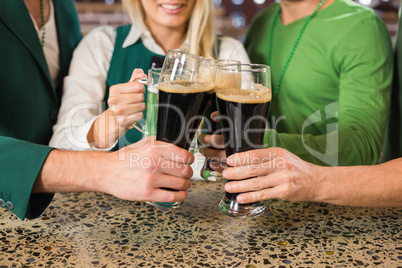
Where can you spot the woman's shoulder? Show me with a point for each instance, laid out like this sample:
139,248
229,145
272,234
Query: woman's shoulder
102,32
99,38
232,48
229,41
96,45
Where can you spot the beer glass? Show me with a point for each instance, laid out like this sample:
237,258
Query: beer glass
207,173
151,114
185,85
149,128
152,101
243,93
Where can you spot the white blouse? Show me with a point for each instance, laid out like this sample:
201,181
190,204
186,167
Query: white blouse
85,86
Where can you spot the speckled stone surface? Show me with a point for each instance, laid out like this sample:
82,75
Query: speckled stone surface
98,230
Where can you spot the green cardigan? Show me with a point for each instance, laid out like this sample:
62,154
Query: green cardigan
28,100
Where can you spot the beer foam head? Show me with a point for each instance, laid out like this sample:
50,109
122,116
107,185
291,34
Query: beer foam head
228,80
183,86
259,94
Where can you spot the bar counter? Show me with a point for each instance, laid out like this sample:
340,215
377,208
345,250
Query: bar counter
99,230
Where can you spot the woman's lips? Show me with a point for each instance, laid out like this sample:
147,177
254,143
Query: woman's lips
172,8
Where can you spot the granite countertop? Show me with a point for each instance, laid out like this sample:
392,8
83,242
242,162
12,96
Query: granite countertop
99,230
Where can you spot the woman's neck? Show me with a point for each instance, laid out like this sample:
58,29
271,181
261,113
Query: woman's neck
168,38
292,10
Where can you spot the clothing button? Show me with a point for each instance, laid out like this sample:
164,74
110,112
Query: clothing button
53,115
2,202
10,205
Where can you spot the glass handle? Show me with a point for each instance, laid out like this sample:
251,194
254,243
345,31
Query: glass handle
137,125
143,81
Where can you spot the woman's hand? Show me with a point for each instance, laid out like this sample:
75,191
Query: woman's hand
126,101
126,106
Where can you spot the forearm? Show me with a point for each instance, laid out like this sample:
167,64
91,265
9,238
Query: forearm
104,132
361,186
66,171
120,173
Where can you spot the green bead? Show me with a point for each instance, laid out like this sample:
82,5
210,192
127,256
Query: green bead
206,174
42,9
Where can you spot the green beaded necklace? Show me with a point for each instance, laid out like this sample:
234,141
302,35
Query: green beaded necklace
292,51
42,12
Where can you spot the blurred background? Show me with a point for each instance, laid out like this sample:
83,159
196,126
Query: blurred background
232,16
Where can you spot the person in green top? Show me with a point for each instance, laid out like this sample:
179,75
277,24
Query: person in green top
275,173
331,64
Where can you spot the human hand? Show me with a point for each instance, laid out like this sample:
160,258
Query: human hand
269,174
126,101
143,171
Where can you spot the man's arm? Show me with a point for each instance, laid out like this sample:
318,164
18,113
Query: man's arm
363,186
135,173
275,173
20,164
138,172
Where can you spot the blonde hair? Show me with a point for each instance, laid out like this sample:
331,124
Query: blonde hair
201,29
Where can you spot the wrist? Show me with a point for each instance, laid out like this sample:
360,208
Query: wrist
67,171
105,131
113,127
95,170
335,184
323,186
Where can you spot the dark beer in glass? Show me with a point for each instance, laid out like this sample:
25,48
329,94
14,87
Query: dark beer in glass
243,111
185,84
211,127
181,105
